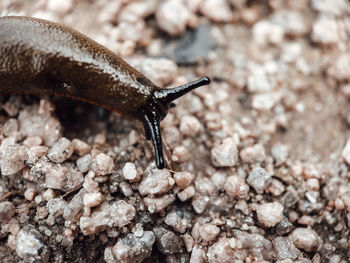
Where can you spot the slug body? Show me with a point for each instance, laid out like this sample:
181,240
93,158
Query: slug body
42,57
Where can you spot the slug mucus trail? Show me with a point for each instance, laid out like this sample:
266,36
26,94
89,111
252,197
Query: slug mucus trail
42,57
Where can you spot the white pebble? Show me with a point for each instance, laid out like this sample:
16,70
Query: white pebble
92,199
225,154
269,214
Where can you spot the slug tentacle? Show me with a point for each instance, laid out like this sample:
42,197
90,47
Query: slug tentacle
152,126
166,96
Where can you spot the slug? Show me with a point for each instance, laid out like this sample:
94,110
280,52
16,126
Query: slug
42,57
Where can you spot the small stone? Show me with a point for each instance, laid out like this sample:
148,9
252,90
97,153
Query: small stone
265,33
102,164
253,154
183,179
160,70
32,141
131,248
156,182
13,159
35,153
7,210
259,179
83,163
172,16
80,147
9,127
107,215
100,139
52,131
326,31
129,171
189,125
339,68
280,153
198,255
225,154
60,7
220,252
30,245
49,194
55,207
258,81
208,232
199,203
180,154
157,204
236,187
285,249
217,10
306,239
187,193
92,199
60,151
29,194
126,189
346,152
74,208
89,184
179,220
276,187
167,242
269,214
189,242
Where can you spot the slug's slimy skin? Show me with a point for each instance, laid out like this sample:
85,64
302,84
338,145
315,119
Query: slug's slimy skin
42,57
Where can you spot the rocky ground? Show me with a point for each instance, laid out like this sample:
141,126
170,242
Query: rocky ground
258,160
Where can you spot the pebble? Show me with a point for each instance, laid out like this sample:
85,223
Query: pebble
102,164
35,153
59,7
252,154
269,214
292,22
265,33
60,151
217,10
126,189
226,154
285,249
161,71
92,199
9,127
83,163
156,182
80,147
334,7
179,220
140,9
29,194
7,210
49,194
183,179
280,153
189,242
209,232
236,187
13,159
326,31
129,171
157,204
107,215
52,131
172,16
131,248
131,31
189,125
198,255
255,244
167,241
220,252
30,246
32,141
74,208
187,193
258,81
339,68
306,239
55,207
180,154
259,179
276,187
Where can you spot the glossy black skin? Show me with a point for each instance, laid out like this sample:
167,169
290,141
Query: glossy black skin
42,57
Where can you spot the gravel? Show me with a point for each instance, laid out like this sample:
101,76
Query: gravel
257,161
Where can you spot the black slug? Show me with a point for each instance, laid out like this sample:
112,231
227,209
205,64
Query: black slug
42,57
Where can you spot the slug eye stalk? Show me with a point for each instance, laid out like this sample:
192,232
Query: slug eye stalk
152,120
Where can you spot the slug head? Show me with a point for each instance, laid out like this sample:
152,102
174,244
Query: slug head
157,109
